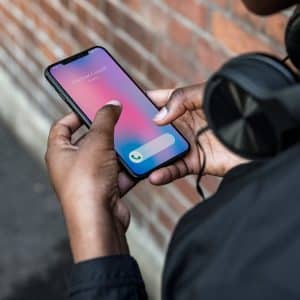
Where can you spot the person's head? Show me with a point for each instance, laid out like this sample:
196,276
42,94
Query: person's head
246,97
267,7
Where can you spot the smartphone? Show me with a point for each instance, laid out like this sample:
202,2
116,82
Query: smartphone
89,79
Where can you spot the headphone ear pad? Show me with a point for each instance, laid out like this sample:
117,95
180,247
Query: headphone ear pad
292,39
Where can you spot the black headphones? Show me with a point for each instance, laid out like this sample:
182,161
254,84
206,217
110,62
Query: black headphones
252,103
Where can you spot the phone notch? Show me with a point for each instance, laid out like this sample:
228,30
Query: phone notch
74,57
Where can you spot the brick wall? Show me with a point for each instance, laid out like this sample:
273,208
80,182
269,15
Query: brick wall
162,43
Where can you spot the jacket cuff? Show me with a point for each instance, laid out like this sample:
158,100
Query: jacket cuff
108,272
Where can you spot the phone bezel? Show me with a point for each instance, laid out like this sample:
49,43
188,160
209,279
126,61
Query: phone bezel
73,105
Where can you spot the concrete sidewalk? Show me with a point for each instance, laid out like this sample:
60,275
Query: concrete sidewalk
34,256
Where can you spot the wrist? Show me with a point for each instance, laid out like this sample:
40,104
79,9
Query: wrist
92,231
235,162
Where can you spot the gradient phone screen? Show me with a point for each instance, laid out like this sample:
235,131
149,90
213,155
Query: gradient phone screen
94,79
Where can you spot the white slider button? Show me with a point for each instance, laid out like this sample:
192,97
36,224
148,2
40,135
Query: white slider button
151,148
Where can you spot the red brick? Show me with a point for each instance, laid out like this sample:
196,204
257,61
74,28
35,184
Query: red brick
234,38
176,61
47,52
179,33
156,19
145,198
194,11
155,75
222,3
80,36
114,14
135,213
275,27
158,236
241,11
99,5
53,13
27,34
43,25
165,220
172,202
21,4
133,4
80,12
200,76
31,76
28,52
96,25
128,52
189,191
139,32
28,11
209,56
169,83
65,3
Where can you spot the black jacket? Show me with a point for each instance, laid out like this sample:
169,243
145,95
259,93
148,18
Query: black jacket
243,243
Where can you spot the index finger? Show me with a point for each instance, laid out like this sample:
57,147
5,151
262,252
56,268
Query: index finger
61,132
181,100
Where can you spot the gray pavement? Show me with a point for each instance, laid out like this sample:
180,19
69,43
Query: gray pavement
34,253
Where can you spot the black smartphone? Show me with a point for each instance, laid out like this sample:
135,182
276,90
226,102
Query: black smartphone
89,79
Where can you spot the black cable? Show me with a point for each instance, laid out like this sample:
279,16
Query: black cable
201,172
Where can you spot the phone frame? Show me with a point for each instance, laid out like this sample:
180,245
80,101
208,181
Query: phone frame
87,122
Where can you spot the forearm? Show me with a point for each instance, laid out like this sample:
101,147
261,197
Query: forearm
265,7
104,269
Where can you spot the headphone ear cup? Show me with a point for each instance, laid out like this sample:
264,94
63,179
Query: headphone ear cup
235,102
292,38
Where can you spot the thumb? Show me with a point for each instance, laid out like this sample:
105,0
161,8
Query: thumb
101,133
181,100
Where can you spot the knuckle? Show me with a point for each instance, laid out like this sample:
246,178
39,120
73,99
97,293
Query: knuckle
94,131
101,135
54,126
178,96
53,130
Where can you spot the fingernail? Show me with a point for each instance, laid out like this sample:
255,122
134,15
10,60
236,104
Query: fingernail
161,114
113,102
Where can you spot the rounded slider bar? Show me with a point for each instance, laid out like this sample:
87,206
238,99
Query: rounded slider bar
151,148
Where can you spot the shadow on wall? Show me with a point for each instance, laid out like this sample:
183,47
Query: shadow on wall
52,284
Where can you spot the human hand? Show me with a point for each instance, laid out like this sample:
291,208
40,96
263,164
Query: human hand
89,182
183,106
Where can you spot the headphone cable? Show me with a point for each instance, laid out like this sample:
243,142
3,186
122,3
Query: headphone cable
201,171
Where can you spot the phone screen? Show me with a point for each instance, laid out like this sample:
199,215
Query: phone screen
96,78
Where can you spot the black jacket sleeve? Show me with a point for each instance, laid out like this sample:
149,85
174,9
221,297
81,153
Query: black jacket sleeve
107,278
242,243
